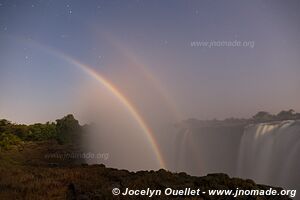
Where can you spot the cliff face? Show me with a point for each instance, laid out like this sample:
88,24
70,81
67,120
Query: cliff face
208,149
269,153
53,167
26,173
265,152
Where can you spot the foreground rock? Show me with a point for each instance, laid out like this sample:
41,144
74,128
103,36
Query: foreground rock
26,173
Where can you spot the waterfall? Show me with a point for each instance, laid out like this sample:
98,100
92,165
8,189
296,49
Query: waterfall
181,153
269,153
207,149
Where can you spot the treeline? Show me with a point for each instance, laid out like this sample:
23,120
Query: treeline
259,117
263,116
62,130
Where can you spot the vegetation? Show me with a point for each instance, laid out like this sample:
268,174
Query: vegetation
67,129
27,174
260,117
38,169
263,116
63,131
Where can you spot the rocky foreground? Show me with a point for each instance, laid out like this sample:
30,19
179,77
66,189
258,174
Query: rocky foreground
26,173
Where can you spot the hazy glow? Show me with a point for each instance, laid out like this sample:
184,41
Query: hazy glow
125,102
140,65
144,49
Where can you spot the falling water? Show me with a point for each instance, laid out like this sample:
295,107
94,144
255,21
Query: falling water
269,153
209,149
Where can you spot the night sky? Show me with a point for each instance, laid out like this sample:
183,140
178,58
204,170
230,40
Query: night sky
144,49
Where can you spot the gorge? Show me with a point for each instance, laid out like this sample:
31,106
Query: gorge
266,152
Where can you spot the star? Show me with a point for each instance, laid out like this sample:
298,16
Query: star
100,59
70,11
28,59
63,36
164,42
